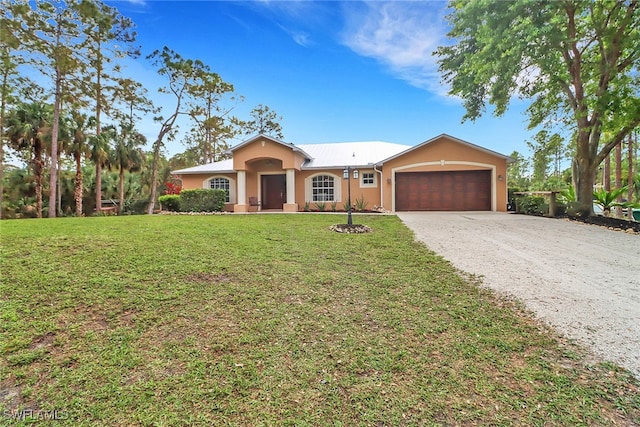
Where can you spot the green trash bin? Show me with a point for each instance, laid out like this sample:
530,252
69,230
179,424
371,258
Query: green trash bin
636,214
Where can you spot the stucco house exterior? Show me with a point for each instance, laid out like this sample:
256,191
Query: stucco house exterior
441,174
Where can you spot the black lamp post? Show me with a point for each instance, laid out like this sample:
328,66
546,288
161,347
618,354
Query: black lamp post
346,174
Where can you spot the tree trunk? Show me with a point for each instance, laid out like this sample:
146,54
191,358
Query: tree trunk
630,173
5,77
77,193
53,175
59,185
584,175
121,192
98,187
606,174
154,177
38,166
619,176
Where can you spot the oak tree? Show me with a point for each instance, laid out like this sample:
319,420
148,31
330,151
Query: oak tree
578,61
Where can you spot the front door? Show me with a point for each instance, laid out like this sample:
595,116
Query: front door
274,191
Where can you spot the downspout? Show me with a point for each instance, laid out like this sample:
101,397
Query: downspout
381,185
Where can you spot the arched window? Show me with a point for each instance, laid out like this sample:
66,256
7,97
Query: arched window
221,183
323,188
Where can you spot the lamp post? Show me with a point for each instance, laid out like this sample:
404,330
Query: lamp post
346,174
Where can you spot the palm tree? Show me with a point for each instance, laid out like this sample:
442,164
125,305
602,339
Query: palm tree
28,128
79,125
101,156
127,156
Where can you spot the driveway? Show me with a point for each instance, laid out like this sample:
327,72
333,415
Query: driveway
582,279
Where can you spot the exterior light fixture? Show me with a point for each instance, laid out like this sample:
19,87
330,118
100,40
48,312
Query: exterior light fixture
346,174
355,174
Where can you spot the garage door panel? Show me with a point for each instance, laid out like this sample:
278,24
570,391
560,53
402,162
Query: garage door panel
444,191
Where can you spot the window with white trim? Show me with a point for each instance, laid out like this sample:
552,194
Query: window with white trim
221,184
368,179
322,188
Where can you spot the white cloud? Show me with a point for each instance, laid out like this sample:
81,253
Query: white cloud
402,35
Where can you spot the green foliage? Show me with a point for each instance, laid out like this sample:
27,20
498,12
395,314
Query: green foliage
307,207
170,201
609,199
334,206
264,121
360,204
321,206
203,200
568,195
577,62
531,205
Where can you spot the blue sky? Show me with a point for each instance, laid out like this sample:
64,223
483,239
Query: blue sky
335,71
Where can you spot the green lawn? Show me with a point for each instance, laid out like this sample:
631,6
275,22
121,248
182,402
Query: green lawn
273,320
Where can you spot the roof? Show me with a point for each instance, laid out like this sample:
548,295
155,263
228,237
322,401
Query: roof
220,167
336,155
341,154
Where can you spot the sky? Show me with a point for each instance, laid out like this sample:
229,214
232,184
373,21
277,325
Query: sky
336,71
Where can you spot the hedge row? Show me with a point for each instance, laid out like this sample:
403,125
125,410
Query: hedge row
200,200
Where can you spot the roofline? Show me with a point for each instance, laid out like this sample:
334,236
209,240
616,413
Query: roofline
277,141
367,166
458,140
201,172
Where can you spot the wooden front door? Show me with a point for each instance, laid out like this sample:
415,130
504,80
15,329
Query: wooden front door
274,191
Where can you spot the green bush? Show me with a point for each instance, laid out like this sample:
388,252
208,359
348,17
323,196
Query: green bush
170,202
202,200
135,207
531,205
321,206
361,204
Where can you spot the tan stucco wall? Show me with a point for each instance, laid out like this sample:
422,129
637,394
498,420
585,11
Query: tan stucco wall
191,182
445,154
371,195
264,148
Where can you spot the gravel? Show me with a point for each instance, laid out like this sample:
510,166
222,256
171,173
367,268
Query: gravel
584,280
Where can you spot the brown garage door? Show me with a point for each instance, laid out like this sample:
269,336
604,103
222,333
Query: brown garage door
444,191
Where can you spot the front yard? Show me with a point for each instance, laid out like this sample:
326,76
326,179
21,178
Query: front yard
273,320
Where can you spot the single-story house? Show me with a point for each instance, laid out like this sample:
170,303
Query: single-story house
441,174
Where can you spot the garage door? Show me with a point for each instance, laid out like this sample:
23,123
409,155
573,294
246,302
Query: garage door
444,191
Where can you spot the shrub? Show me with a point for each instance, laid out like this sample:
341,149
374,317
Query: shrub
531,205
360,204
334,206
202,200
170,202
138,206
321,206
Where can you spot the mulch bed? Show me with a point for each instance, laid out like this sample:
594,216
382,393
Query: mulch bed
615,223
350,228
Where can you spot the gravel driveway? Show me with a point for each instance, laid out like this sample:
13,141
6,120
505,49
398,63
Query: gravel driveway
582,279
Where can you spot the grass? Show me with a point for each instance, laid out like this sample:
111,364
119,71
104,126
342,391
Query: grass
273,320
